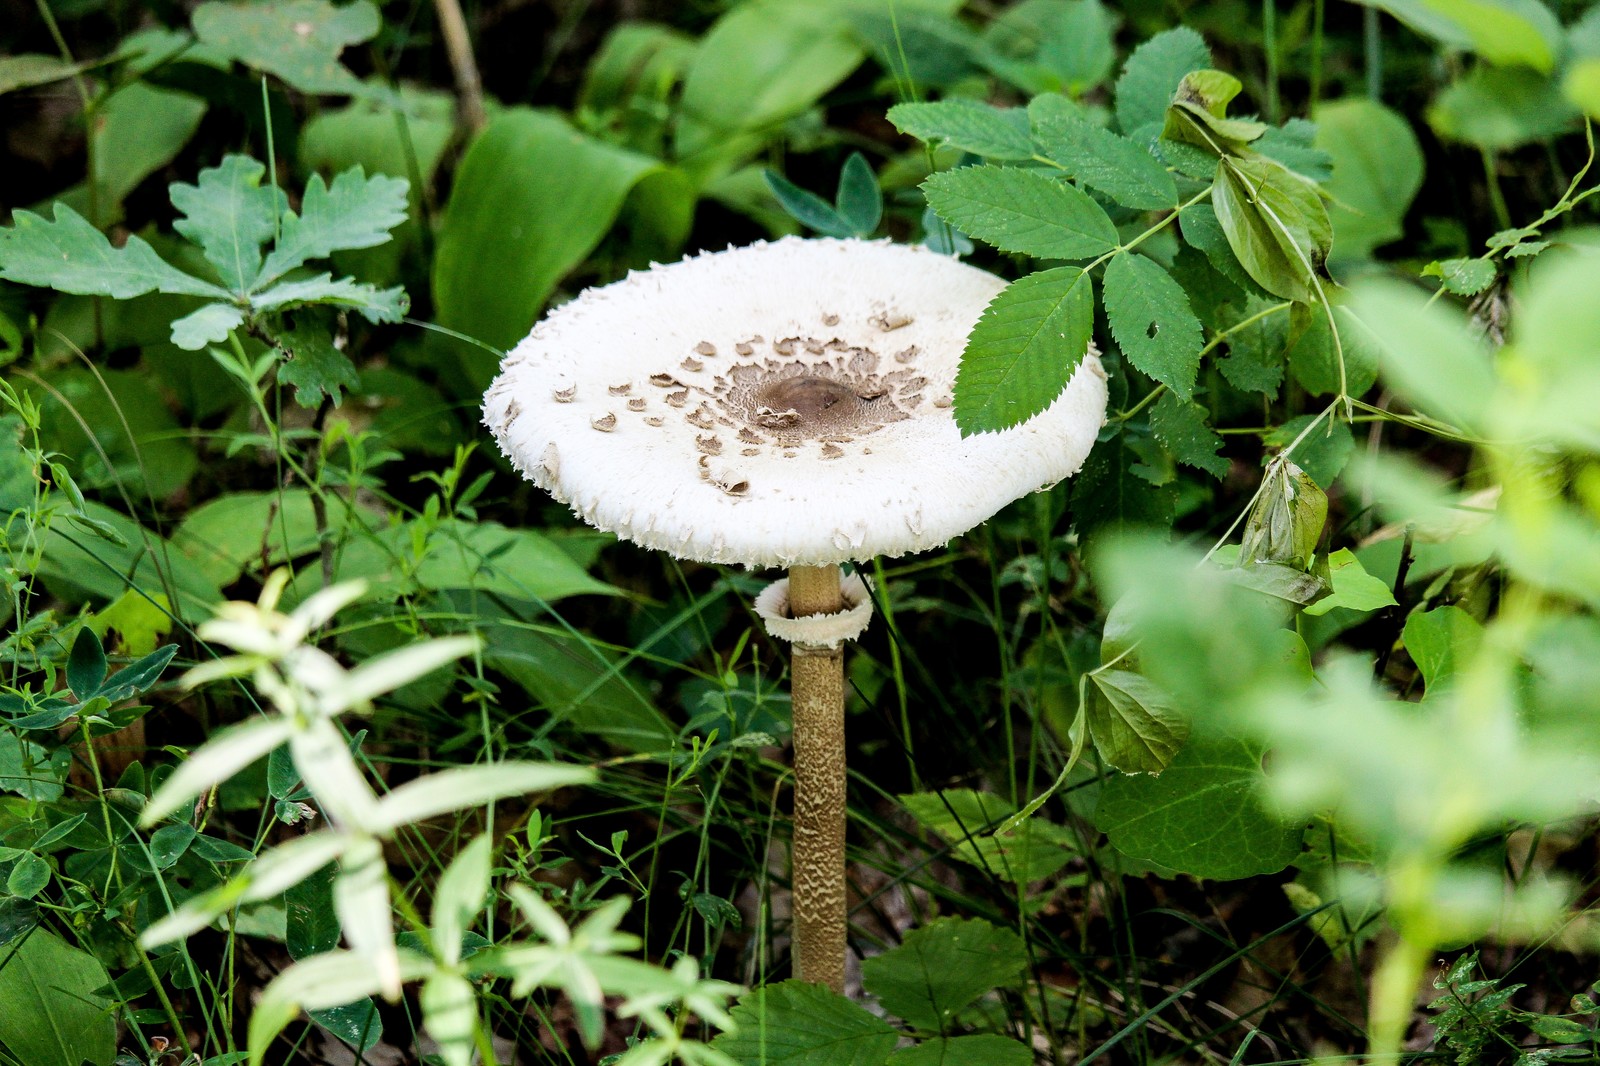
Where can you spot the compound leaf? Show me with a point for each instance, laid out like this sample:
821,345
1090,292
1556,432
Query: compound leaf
373,303
1182,429
1154,72
1105,161
972,126
354,212
70,255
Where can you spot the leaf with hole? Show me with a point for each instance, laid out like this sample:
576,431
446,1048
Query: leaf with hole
1150,317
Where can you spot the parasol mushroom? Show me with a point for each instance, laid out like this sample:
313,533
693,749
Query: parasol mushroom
785,404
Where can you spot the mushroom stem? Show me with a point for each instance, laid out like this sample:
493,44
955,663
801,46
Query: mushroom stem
817,686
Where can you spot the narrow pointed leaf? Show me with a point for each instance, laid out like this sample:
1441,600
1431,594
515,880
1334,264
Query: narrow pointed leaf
471,786
1276,225
223,756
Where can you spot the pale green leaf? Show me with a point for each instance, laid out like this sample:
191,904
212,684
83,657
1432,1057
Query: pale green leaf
1429,353
298,40
329,770
1377,170
1204,814
230,215
387,672
29,69
941,968
50,1014
1153,73
328,980
1106,162
224,755
1276,225
354,212
1024,349
28,877
276,871
1033,850
1506,32
361,899
793,1023
1023,211
1150,317
1440,642
1353,588
459,896
210,325
1184,429
971,125
70,255
1133,722
450,1013
465,787
1463,276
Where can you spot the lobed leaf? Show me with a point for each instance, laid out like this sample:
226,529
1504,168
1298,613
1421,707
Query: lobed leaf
354,212
70,255
230,215
1022,211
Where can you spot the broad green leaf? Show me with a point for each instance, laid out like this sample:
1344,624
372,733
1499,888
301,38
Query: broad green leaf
1133,722
357,1024
1314,361
354,212
86,665
1033,850
30,770
311,927
1353,588
211,324
297,40
450,1012
29,69
230,215
1285,523
1024,349
464,787
28,877
372,303
1377,170
1114,165
1506,32
1110,497
224,755
540,194
1153,73
158,457
1203,816
1184,429
70,255
1198,115
941,968
459,896
1022,211
1429,353
1204,232
241,530
1322,454
312,364
1463,276
985,1049
137,132
1500,108
971,125
1258,333
1294,145
49,1012
1440,642
859,201
793,1023
807,208
1149,315
77,566
1582,85
1275,223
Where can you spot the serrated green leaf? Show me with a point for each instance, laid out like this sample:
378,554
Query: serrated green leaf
1256,350
1153,73
1203,816
1276,225
354,212
1353,588
1204,233
312,364
806,207
859,200
211,324
70,255
1464,277
983,1049
372,303
793,1023
942,967
230,215
971,125
298,40
1133,722
1149,316
1033,850
1022,211
1110,497
1104,161
1184,430
1024,349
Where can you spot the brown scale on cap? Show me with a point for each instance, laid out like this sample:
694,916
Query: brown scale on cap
905,355
605,423
705,348
701,418
830,320
888,321
749,451
709,443
750,436
636,404
744,348
664,381
814,346
654,420
942,401
692,365
513,411
620,390
566,395
679,398
832,451
785,346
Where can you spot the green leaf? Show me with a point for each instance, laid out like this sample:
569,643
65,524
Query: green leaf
1022,211
807,208
354,212
1203,816
226,535
1024,349
311,925
31,771
86,665
224,755
1506,32
984,1049
1256,350
1440,641
1149,316
50,1014
1275,224
211,324
1377,170
312,364
1184,429
1314,362
374,304
358,1024
1109,497
1104,161
970,125
1153,73
1464,277
459,896
29,875
1035,849
562,190
230,215
70,255
30,69
450,1011
1500,108
1133,722
328,980
137,132
464,787
793,1023
1428,352
941,967
1198,115
136,444
1286,521
1353,588
1323,453
1204,232
859,201
298,40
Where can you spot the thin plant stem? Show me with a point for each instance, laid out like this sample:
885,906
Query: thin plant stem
817,688
1372,41
1318,14
1269,36
458,45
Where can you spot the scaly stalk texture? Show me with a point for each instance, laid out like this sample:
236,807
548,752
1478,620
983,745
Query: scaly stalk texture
817,685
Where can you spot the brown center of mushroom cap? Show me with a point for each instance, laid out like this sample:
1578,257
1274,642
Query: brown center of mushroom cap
812,402
799,400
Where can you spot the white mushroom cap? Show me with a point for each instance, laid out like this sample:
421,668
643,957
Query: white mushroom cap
782,404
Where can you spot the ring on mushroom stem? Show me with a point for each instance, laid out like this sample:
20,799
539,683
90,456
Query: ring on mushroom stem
832,442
